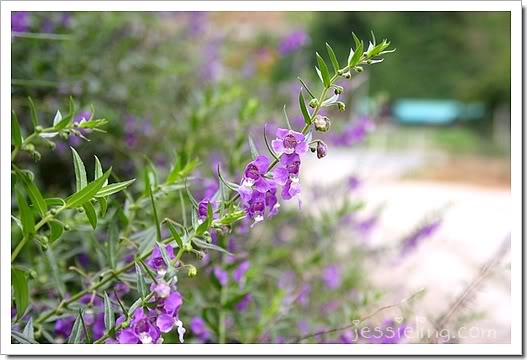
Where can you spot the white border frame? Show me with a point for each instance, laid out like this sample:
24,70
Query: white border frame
515,348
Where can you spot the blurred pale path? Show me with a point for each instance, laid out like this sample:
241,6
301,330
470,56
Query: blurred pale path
474,225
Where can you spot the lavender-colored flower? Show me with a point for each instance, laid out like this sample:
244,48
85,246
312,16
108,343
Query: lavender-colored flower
221,275
322,149
293,42
199,329
303,297
240,271
156,261
141,330
161,289
20,21
244,302
63,326
288,168
289,142
332,277
412,242
203,209
253,176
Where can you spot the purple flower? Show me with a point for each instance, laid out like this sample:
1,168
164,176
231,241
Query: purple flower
161,289
244,302
198,328
303,297
141,330
240,271
411,242
253,175
332,277
221,275
203,209
156,261
20,21
288,168
293,41
63,326
289,142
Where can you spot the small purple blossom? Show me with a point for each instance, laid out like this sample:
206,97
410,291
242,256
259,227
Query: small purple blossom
20,21
244,302
221,275
413,240
63,326
239,273
199,329
253,178
156,261
293,41
332,277
289,142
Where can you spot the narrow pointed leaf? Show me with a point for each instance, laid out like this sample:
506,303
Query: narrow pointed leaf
103,205
254,151
324,71
141,286
175,234
333,58
26,215
90,213
307,88
269,148
80,197
80,171
113,188
28,329
55,231
55,272
34,194
76,331
113,242
98,170
303,108
20,285
154,216
57,118
16,135
109,316
33,111
21,338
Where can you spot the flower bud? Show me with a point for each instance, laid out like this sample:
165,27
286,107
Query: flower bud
38,129
341,106
80,210
187,247
340,72
313,103
76,132
192,271
64,135
322,124
322,149
347,75
359,69
51,145
53,212
338,90
36,155
67,227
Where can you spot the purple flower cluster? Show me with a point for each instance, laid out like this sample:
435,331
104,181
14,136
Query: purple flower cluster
19,21
353,134
258,190
293,41
199,329
411,242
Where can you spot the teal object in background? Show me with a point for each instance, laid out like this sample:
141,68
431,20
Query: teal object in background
435,112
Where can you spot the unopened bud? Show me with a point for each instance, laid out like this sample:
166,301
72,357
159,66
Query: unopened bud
359,69
322,124
313,103
340,72
67,227
347,75
51,145
80,210
187,247
38,129
341,106
322,149
192,271
338,90
36,156
53,212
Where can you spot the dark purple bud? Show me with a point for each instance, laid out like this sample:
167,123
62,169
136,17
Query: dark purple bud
322,149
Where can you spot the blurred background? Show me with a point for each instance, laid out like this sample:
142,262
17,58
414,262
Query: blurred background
425,138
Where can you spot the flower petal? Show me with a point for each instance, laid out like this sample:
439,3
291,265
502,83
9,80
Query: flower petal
278,146
301,148
262,163
127,336
280,175
262,185
165,322
281,133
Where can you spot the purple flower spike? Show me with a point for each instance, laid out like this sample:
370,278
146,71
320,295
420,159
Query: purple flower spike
244,302
289,142
253,176
240,271
221,275
198,328
332,277
156,261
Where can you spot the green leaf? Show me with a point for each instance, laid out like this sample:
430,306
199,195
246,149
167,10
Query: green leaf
20,285
57,118
53,264
26,215
303,108
228,184
254,151
56,231
109,317
16,135
80,171
113,241
286,118
21,338
356,40
141,286
113,188
98,170
76,331
93,124
207,222
154,216
28,329
33,110
307,89
80,197
205,245
55,202
103,205
34,194
62,122
232,217
324,71
175,234
91,214
357,55
333,58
